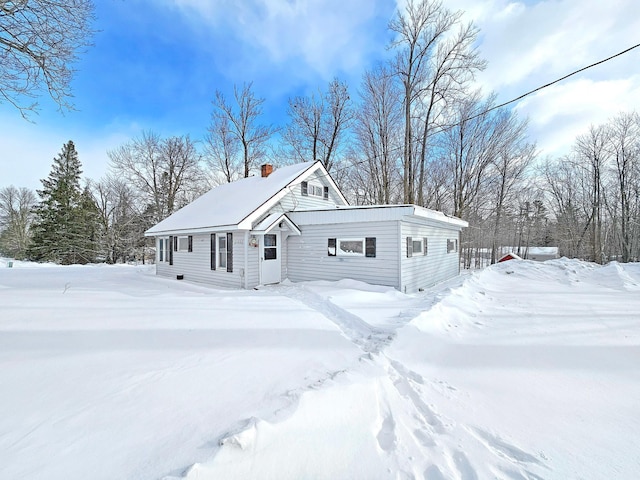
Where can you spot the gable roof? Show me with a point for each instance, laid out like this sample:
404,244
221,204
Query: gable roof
237,203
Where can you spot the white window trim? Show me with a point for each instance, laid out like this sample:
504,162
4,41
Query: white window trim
219,251
341,253
163,252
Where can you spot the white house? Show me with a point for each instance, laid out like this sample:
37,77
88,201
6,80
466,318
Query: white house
295,223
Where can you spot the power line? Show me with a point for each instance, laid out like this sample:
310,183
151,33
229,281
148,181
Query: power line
554,82
448,127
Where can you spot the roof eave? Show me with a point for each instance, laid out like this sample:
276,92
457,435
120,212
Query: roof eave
188,231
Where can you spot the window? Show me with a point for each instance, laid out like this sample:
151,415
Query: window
352,247
331,247
370,247
452,245
416,246
163,250
270,247
222,251
314,190
185,244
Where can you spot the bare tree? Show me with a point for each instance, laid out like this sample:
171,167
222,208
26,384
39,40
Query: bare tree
222,149
304,131
319,123
507,169
591,156
453,65
39,42
338,120
624,145
431,65
470,147
242,122
377,126
568,192
15,219
121,221
164,171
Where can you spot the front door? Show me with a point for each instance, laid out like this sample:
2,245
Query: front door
270,262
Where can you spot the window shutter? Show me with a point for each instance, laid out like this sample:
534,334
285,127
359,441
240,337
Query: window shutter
325,195
175,243
170,249
424,245
409,247
370,247
213,251
190,243
229,252
331,247
305,188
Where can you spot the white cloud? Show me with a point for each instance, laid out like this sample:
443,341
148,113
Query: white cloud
560,113
27,153
323,37
529,44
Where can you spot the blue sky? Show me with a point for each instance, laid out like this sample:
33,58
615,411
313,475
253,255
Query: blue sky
156,64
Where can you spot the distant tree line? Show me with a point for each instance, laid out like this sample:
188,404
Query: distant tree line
416,130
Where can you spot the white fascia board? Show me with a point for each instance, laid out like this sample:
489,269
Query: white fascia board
439,217
266,227
329,178
191,231
429,222
248,221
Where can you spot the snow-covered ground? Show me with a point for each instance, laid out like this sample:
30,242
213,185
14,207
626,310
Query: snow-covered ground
520,371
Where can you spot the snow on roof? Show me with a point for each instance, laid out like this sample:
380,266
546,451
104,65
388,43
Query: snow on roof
542,251
532,250
364,213
509,255
230,203
272,219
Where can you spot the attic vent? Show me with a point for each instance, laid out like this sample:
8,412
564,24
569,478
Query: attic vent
266,170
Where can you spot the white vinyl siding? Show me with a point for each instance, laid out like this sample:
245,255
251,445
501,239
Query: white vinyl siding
195,266
308,258
423,271
295,201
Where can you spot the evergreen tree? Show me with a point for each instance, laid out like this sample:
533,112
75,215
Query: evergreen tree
65,226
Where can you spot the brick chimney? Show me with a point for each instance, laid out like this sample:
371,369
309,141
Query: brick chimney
266,169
